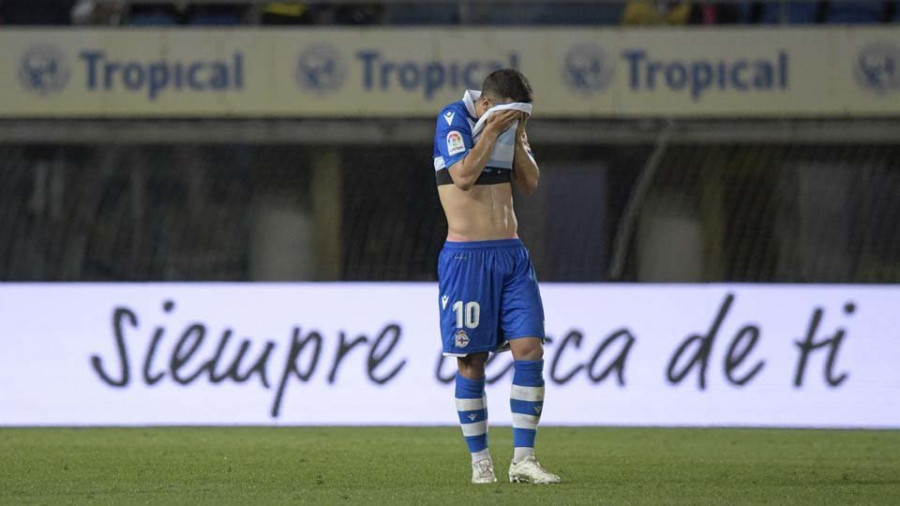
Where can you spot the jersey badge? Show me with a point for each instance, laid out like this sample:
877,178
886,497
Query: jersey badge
462,339
449,117
455,143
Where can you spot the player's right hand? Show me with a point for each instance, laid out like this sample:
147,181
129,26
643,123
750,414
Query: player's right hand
500,122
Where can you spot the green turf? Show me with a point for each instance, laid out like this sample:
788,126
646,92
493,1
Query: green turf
426,466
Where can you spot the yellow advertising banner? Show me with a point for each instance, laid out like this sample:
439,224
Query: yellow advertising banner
328,73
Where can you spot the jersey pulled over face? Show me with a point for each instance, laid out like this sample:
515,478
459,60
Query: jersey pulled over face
453,139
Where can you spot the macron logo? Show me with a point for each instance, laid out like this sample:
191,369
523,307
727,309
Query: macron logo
473,416
444,301
449,117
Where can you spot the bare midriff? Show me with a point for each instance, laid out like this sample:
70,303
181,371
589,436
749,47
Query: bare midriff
484,213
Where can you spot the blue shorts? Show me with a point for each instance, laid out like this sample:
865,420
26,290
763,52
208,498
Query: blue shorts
488,296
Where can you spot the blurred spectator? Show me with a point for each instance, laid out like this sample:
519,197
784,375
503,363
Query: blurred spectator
430,13
153,14
216,14
773,13
600,13
36,12
542,13
648,13
89,12
288,13
715,14
364,13
857,12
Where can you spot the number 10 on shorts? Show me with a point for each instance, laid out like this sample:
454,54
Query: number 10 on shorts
468,313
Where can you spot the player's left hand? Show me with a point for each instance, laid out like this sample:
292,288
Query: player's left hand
523,120
520,129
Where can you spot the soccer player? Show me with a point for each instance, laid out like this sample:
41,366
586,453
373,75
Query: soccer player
489,298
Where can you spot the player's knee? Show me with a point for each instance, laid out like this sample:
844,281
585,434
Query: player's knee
534,353
528,349
472,366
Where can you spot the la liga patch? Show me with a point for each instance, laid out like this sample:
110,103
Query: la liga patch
455,143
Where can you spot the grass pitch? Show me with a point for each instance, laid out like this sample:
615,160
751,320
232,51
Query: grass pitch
424,466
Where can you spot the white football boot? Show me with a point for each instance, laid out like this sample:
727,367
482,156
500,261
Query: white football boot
483,471
529,471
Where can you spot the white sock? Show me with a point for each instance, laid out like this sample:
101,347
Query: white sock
483,454
520,453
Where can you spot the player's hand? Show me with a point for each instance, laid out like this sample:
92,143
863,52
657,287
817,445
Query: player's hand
500,122
523,121
521,137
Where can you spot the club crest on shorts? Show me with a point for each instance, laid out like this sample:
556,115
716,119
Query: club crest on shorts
461,338
455,143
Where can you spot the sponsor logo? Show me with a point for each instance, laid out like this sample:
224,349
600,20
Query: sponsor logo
461,338
448,116
382,73
44,70
154,77
876,67
455,143
698,77
320,69
587,68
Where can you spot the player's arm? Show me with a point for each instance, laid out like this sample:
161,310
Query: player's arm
525,169
466,171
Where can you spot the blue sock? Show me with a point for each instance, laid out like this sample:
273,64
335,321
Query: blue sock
526,402
472,409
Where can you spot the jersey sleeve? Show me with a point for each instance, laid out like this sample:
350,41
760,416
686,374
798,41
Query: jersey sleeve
452,138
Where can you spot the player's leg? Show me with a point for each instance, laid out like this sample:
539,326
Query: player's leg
469,312
527,404
471,406
526,398
522,320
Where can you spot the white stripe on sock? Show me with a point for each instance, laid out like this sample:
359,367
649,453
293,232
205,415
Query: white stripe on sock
521,421
474,429
469,404
533,394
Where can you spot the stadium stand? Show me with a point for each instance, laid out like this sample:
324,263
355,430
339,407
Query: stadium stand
465,12
216,15
152,15
36,12
844,13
